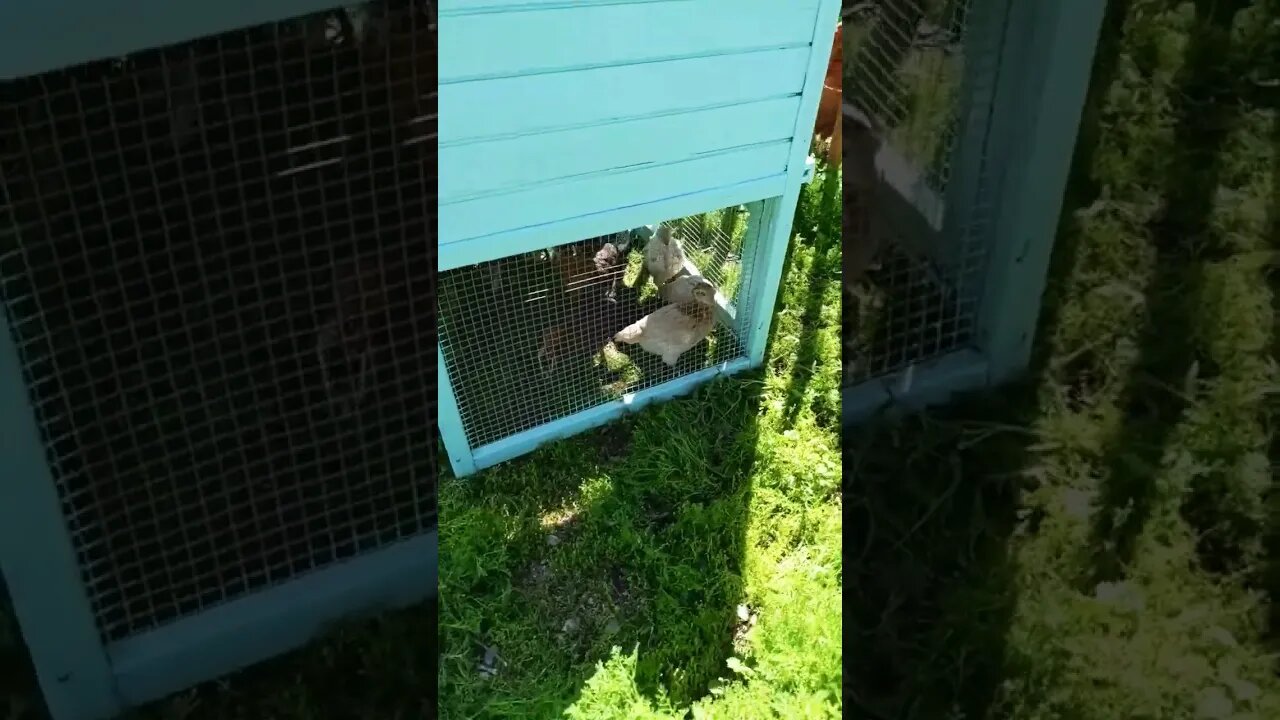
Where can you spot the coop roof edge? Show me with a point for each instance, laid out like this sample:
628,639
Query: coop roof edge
37,37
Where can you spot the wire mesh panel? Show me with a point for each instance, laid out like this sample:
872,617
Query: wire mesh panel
530,338
919,78
217,262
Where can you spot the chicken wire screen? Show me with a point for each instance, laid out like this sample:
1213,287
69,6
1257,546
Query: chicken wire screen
915,68
217,263
530,338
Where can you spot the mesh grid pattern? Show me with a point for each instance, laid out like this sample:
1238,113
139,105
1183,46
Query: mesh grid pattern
218,264
527,339
904,66
914,69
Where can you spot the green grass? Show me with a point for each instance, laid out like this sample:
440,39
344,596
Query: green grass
608,572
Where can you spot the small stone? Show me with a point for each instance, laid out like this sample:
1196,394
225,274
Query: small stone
612,627
570,625
553,540
1221,635
1077,503
1214,705
489,665
1245,691
744,613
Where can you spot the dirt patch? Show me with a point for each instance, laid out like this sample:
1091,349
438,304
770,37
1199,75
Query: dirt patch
613,441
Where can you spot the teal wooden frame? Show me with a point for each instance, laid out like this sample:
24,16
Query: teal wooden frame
81,677
1045,62
36,37
772,200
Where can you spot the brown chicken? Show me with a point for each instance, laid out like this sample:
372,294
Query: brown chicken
581,327
671,330
828,123
349,343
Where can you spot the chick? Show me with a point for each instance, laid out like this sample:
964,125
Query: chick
663,259
551,348
673,329
610,261
577,269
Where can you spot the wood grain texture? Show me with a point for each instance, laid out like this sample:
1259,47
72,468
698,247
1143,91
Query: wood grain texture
601,115
551,39
490,109
496,166
603,192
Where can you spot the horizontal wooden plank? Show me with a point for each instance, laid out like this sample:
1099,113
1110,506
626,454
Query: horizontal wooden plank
535,237
916,387
536,103
475,168
581,36
52,34
469,7
602,192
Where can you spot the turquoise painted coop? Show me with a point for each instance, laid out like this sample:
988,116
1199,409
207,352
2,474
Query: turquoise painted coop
571,129
217,275
973,106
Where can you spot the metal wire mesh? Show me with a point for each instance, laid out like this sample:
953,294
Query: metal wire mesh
916,69
528,339
217,262
905,63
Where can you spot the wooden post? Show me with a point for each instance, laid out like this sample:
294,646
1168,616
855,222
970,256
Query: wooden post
1038,113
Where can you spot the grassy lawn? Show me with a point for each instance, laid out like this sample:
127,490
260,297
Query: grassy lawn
1102,543
686,559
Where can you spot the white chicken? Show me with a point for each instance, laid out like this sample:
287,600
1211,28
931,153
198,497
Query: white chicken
663,259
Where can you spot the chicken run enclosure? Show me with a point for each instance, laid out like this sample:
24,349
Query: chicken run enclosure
616,192
960,118
217,271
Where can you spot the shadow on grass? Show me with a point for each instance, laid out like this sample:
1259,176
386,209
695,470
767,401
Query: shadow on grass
374,669
811,220
1204,112
20,697
632,536
1271,538
930,503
